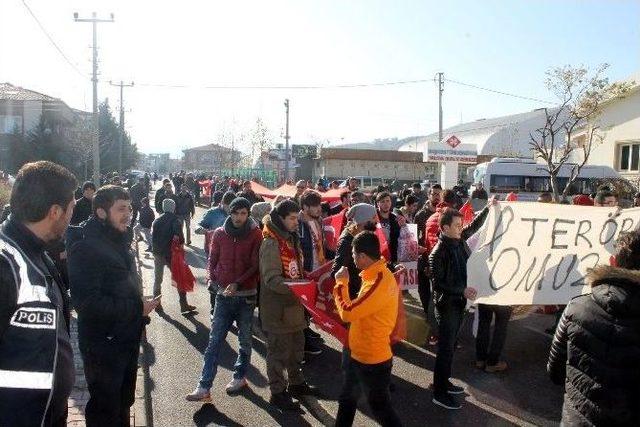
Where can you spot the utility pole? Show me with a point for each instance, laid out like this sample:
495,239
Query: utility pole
286,142
96,133
440,90
121,135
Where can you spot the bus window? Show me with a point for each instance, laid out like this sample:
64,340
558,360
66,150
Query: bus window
537,184
506,183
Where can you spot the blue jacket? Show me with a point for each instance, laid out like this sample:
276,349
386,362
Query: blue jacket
213,218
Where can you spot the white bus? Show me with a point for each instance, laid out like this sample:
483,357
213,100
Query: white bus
529,178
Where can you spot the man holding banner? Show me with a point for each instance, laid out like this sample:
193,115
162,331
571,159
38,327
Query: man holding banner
368,361
448,265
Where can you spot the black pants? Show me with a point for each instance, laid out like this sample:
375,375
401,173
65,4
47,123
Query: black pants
134,214
449,314
484,353
374,379
424,292
111,378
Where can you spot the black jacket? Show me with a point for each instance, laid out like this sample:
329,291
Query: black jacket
105,289
164,228
34,334
159,197
185,204
448,263
596,351
137,192
146,217
344,258
394,234
82,211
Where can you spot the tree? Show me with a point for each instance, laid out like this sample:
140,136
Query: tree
260,140
581,94
109,142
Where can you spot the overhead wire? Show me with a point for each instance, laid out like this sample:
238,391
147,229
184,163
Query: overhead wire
497,91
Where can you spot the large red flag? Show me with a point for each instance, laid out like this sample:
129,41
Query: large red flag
181,275
332,226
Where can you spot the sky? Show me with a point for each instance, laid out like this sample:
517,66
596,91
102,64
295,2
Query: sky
505,45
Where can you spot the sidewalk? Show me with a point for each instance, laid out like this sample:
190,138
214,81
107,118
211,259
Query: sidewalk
80,394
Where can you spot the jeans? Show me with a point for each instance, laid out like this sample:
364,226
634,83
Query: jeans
424,292
159,261
228,310
375,380
449,315
485,314
186,220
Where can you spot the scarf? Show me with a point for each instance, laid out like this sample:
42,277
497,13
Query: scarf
290,256
238,233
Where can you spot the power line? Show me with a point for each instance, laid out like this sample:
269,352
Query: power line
499,92
51,39
287,87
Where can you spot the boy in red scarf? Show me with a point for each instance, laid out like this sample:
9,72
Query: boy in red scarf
281,312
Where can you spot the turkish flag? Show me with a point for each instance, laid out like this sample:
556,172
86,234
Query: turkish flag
332,227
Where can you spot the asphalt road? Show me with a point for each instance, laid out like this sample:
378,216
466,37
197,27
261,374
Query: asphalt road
523,395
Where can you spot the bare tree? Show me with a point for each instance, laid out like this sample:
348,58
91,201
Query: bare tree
260,140
581,94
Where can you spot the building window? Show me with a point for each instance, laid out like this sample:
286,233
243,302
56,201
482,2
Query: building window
629,155
10,124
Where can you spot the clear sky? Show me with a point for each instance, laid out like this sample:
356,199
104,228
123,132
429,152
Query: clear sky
504,45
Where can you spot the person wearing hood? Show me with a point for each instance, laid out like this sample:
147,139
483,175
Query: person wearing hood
111,312
233,272
164,230
281,312
596,347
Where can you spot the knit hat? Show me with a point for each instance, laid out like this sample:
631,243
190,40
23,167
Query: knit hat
168,205
260,209
239,203
582,200
361,213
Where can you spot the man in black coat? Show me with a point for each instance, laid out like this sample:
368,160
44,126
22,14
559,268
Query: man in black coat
448,266
164,230
138,191
36,358
595,352
107,296
83,210
165,191
389,225
185,209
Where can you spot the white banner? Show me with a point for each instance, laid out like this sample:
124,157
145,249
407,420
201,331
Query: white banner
535,253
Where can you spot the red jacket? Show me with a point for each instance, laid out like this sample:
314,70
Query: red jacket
235,260
432,230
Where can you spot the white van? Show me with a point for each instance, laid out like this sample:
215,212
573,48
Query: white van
504,175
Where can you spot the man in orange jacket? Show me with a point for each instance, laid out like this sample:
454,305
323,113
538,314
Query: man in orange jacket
367,359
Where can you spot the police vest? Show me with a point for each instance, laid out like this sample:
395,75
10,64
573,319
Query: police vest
29,346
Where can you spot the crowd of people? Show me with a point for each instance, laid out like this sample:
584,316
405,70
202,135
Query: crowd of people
255,248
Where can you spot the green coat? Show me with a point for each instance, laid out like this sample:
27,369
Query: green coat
280,309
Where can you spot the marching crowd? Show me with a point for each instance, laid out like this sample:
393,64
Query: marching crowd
255,250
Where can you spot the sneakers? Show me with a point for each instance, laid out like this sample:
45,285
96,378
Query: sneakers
284,402
311,348
188,308
454,389
199,395
235,385
310,333
446,401
303,389
498,367
433,340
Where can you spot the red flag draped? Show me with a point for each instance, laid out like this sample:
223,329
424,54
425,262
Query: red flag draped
181,275
332,227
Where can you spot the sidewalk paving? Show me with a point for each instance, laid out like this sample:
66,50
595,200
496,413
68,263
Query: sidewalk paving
80,394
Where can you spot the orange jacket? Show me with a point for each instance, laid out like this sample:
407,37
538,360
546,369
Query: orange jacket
372,314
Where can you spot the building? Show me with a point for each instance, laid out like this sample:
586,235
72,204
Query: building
618,126
155,162
210,158
21,111
274,160
402,166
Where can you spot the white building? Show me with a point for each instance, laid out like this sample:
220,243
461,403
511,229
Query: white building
619,128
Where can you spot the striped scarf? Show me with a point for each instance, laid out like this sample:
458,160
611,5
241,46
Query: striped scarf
289,256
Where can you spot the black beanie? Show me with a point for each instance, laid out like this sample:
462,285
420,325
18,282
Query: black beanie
239,203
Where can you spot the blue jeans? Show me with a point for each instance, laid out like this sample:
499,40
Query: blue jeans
228,310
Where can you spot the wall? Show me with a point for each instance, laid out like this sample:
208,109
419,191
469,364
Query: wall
338,168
